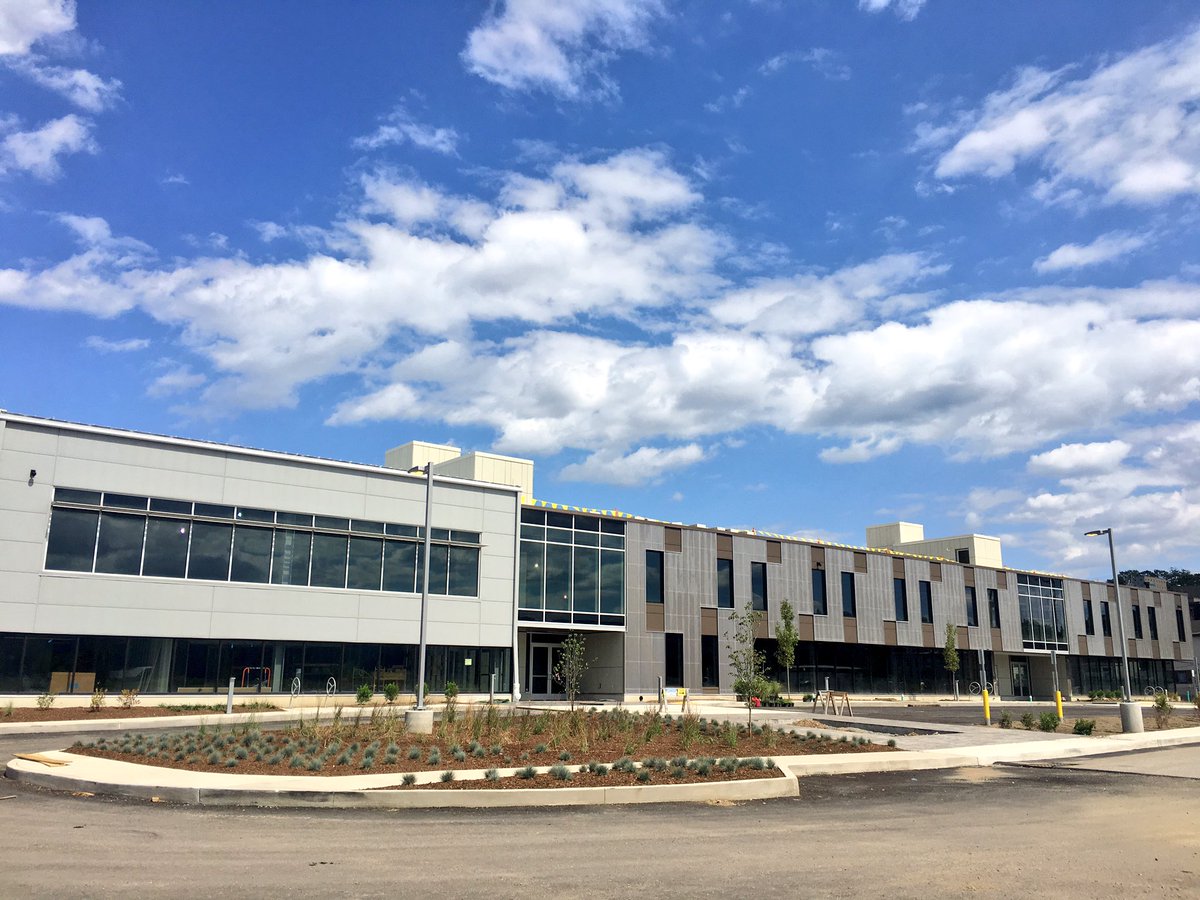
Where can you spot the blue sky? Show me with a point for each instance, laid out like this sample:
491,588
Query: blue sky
800,266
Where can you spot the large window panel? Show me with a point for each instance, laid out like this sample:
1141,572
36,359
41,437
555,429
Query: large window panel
119,549
464,572
654,576
366,564
926,591
209,557
586,580
289,561
72,545
166,547
251,555
612,582
439,555
820,600
400,567
329,561
558,577
725,597
849,597
533,558
758,585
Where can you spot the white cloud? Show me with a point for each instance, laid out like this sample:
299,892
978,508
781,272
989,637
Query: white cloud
1069,459
104,345
905,9
827,63
177,380
642,465
83,88
1129,130
399,127
1103,249
38,151
25,22
173,178
559,46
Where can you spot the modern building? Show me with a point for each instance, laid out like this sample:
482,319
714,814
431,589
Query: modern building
172,566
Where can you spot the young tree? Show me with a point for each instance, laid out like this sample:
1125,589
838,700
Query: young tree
950,655
572,664
786,638
747,662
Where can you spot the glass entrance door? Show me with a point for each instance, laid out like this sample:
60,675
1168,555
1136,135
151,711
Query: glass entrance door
543,658
1020,678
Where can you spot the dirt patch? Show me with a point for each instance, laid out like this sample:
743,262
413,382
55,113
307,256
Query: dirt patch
84,714
590,779
1110,724
477,740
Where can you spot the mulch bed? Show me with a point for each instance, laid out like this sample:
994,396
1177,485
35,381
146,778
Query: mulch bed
589,779
85,714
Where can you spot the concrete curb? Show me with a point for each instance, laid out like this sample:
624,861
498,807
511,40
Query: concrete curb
212,719
114,778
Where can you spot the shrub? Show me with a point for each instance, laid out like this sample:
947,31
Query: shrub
643,775
129,698
391,691
1028,721
98,696
565,756
562,773
491,775
1048,721
414,752
435,757
448,775
891,742
363,695
459,755
1162,710
1084,726
409,778
1006,720
527,772
45,701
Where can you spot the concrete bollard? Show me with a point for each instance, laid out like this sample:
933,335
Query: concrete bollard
419,721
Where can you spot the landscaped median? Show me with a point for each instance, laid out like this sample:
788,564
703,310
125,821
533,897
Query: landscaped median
480,758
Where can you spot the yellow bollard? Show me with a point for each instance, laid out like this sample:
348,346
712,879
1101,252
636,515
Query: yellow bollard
1058,704
987,709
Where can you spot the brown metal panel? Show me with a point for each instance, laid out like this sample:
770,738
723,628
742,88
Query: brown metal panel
898,567
1083,646
672,539
1112,593
1132,647
804,627
935,571
969,576
708,621
725,546
774,552
860,562
927,638
818,557
997,639
850,626
655,617
1108,647
1179,651
889,634
964,638
762,628
1087,590
1002,580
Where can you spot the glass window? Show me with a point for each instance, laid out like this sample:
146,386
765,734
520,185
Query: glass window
558,577
402,530
335,523
560,520
1105,619
400,567
366,526
725,583
587,523
214,511
328,561
994,607
613,541
673,672
126,501
179,507
585,582
820,601
119,549
1179,623
72,545
1089,624
209,555
251,555
244,514
849,597
289,560
612,526
439,556
1152,621
366,564
465,537
1137,610
533,557
533,516
926,593
166,547
464,572
70,495
654,576
900,599
710,672
758,585
612,582
287,518
972,607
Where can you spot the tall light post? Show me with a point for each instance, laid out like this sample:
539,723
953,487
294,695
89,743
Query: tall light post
420,720
1131,713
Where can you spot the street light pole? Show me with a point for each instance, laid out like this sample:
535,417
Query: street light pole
1131,713
425,585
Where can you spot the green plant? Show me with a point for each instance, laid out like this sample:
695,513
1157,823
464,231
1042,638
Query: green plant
562,773
448,775
1028,721
8,708
565,756
891,742
129,698
572,665
527,772
950,654
491,775
1006,720
1162,710
745,661
46,700
1048,721
643,775
98,696
451,711
409,779
391,691
786,638
1084,726
363,695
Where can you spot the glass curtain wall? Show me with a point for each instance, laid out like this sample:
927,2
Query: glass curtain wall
572,568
